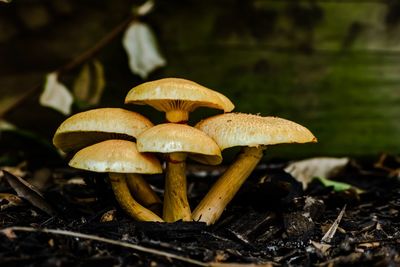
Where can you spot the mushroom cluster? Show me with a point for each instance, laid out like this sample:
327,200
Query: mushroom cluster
125,145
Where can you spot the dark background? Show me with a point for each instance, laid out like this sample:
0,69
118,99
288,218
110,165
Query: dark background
332,66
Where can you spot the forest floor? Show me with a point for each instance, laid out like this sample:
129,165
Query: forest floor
271,222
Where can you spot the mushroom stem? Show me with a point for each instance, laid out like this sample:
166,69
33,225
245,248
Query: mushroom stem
143,193
177,116
176,205
221,193
126,201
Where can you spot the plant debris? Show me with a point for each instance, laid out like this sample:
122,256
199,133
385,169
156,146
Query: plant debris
28,192
270,222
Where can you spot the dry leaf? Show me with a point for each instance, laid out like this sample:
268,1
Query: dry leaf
5,125
82,84
305,170
55,95
89,85
141,46
332,230
145,8
28,192
99,81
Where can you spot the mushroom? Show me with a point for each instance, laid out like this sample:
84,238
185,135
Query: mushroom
177,97
252,132
178,140
96,125
93,126
117,158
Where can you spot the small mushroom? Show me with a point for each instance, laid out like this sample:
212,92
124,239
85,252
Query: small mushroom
177,97
117,158
96,125
252,132
176,141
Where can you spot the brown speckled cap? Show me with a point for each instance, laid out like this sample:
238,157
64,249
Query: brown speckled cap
93,126
239,129
177,94
119,156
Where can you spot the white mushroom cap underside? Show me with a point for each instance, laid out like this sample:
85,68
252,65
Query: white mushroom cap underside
170,137
177,94
237,129
119,156
97,125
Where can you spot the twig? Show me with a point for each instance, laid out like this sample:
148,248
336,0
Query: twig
389,239
332,230
8,231
76,62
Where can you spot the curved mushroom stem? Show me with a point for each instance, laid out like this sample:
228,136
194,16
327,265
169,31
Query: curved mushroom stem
221,193
177,116
143,193
176,205
126,201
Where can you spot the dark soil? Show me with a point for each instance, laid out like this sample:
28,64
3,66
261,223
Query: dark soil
272,220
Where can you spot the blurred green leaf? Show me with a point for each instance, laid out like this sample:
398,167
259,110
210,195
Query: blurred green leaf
337,186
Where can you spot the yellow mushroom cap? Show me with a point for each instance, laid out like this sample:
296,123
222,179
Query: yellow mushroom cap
177,94
119,156
238,129
171,137
93,126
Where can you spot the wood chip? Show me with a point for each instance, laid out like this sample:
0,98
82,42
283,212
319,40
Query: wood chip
332,230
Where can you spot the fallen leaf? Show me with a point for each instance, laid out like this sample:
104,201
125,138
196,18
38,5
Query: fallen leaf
141,47
55,95
82,84
90,83
99,81
338,186
28,192
332,230
144,8
305,170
